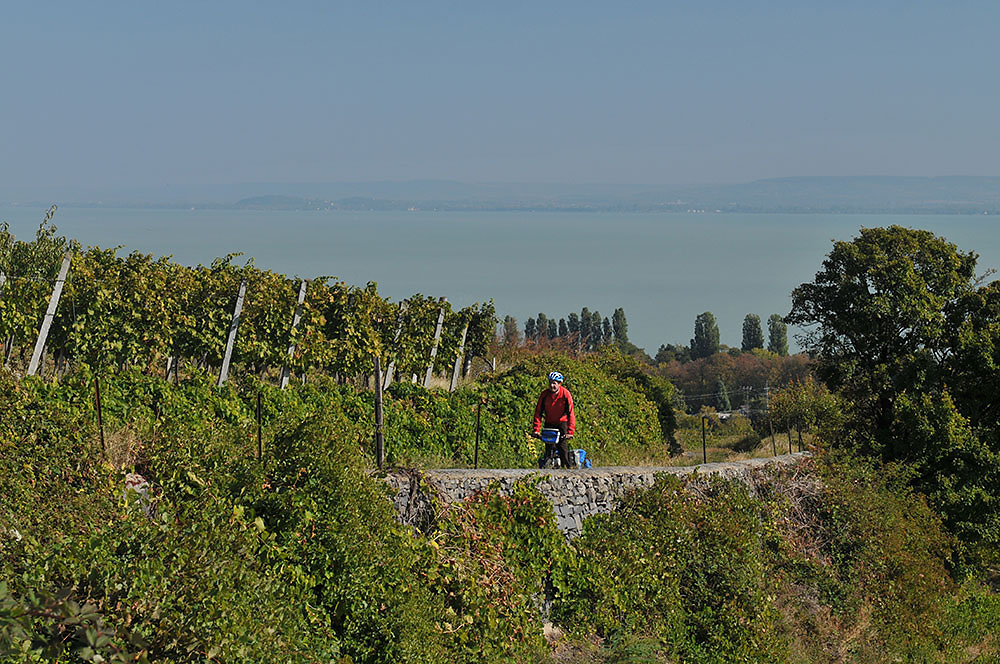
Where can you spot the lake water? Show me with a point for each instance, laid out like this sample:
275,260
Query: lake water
663,269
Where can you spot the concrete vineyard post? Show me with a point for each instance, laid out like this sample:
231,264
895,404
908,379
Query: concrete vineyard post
395,343
50,313
231,341
458,359
285,370
437,340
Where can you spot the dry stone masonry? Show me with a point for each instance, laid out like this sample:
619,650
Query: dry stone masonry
574,494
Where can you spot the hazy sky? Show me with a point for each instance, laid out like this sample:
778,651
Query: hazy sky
143,93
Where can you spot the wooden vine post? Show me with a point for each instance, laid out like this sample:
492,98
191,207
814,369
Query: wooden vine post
260,427
704,446
100,413
285,370
231,341
437,340
395,343
50,313
9,341
774,445
379,439
458,359
479,410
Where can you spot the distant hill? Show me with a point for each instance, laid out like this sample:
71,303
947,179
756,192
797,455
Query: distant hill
852,194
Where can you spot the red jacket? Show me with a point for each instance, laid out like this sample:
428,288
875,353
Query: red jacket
557,407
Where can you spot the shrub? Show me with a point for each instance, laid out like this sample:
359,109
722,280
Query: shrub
685,566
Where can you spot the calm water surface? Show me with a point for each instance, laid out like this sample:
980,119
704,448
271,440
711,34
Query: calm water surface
664,269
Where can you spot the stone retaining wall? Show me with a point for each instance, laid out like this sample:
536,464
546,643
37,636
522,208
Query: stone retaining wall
575,494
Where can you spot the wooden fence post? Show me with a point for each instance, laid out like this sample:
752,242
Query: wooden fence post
231,341
100,414
458,359
8,341
50,313
379,439
479,410
704,447
285,371
403,306
437,340
260,427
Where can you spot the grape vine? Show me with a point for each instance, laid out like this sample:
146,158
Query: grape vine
119,311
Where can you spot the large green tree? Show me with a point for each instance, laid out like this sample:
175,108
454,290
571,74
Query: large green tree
753,336
706,336
882,314
900,326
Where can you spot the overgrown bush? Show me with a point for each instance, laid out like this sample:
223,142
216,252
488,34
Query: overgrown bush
298,555
683,565
833,561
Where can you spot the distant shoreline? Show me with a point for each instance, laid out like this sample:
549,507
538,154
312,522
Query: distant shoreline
466,208
961,195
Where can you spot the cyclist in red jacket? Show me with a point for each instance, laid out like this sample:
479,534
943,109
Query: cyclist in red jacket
555,410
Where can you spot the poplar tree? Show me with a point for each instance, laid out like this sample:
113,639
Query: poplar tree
706,336
529,329
585,323
596,335
777,335
563,330
608,331
552,330
511,336
753,337
542,326
573,323
619,324
722,396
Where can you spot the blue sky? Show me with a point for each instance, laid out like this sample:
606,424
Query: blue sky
118,94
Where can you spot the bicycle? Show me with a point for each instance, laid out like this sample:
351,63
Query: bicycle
550,457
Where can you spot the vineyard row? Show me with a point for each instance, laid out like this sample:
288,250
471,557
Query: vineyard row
118,311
